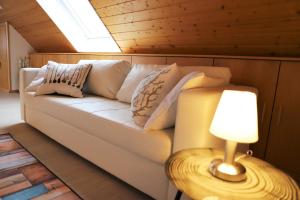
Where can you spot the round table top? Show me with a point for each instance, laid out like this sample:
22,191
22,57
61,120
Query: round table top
188,170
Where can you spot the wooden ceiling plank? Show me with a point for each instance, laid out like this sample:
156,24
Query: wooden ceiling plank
138,6
106,3
218,50
182,9
237,40
42,25
278,27
231,18
134,6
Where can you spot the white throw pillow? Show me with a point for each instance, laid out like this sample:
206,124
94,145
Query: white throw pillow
151,91
67,79
135,76
106,77
165,114
37,81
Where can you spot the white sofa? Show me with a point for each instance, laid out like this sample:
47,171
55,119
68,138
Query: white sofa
102,131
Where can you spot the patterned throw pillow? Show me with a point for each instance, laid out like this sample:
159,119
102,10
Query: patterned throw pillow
135,76
67,79
150,92
164,115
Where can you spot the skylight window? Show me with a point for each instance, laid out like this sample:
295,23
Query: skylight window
81,25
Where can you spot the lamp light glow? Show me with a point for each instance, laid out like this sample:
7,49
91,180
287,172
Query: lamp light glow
228,169
235,120
236,117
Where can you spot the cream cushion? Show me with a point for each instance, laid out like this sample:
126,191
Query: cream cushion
150,92
135,76
107,119
165,114
106,77
37,81
67,79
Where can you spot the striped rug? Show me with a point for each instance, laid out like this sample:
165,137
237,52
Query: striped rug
22,176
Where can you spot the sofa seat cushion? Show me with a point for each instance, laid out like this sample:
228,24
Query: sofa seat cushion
107,119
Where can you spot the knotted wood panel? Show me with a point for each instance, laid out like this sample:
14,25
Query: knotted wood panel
188,170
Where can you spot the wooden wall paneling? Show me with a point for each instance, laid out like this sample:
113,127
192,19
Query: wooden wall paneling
159,60
88,56
284,141
114,57
262,75
5,83
60,58
36,60
189,61
74,58
39,59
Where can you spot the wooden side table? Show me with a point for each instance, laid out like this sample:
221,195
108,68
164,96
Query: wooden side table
188,170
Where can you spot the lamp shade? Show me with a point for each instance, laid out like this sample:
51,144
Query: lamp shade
236,117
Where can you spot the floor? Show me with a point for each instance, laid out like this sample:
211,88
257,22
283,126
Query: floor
93,182
9,110
22,176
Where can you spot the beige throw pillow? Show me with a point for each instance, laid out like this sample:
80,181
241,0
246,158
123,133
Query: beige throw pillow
67,79
165,114
135,76
151,91
106,77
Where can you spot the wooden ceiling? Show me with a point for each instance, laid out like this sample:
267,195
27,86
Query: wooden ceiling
29,19
228,27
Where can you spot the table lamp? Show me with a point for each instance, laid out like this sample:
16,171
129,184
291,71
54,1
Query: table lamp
235,120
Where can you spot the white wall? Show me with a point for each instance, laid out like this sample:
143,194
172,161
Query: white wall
19,48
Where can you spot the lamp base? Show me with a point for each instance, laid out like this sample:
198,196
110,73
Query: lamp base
234,172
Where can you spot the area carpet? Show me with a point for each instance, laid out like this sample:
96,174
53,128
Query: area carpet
87,180
23,177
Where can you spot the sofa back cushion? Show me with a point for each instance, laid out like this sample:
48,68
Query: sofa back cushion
106,77
135,76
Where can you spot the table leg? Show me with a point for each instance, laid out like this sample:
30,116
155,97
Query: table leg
178,195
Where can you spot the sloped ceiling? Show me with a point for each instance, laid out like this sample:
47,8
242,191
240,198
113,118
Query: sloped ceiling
35,26
236,27
228,27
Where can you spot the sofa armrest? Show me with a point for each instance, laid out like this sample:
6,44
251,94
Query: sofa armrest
26,77
195,111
